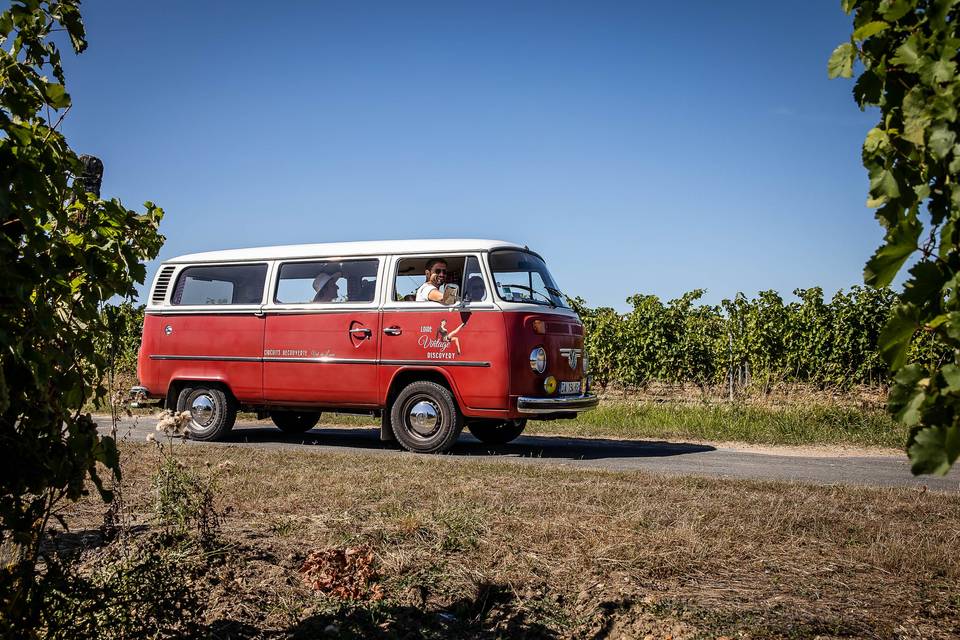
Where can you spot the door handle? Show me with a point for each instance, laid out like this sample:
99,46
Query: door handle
392,331
361,331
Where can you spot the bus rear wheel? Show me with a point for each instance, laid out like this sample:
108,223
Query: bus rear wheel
425,418
497,431
213,412
295,421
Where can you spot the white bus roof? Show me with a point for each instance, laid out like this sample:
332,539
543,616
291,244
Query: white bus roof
338,249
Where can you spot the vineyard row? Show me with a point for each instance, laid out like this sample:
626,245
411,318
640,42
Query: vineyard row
747,341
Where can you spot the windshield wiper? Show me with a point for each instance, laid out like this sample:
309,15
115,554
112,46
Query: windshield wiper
556,292
547,299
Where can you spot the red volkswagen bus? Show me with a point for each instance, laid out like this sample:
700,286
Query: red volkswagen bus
292,331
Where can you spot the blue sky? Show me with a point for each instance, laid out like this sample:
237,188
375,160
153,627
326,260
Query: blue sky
640,147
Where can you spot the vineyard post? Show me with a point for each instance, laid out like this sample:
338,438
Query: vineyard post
730,369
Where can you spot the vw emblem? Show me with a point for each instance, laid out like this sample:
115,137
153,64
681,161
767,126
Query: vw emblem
572,356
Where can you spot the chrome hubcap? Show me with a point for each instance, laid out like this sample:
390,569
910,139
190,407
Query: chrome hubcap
423,418
202,410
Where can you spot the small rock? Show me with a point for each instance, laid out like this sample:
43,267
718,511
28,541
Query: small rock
331,629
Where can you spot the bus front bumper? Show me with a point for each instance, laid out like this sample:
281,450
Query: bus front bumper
583,402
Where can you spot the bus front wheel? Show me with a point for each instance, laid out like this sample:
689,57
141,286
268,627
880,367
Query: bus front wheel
425,418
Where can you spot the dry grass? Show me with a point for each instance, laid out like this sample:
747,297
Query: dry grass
505,549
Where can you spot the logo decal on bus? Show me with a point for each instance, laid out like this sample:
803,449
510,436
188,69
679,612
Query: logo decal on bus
438,347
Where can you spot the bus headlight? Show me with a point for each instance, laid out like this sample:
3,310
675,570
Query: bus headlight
538,360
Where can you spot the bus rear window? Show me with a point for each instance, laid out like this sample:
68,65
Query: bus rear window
222,284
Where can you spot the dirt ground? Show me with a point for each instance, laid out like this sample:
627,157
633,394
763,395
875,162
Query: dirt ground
486,549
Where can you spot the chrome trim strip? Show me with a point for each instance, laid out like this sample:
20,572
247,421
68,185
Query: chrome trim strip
421,307
441,363
209,358
550,405
328,360
172,311
322,360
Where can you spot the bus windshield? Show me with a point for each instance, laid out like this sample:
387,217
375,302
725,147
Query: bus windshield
523,277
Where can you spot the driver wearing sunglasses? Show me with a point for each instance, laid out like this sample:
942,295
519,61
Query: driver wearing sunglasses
436,275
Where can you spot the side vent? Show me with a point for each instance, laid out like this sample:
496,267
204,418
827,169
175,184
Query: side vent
161,285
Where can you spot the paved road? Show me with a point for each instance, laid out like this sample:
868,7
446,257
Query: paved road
616,455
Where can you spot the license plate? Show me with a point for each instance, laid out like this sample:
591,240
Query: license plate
569,387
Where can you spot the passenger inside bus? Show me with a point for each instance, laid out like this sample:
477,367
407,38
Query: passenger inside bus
475,290
325,284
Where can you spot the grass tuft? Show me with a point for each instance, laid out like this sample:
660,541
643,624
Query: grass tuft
791,425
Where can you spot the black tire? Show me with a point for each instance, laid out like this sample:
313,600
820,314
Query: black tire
497,431
214,412
414,426
295,421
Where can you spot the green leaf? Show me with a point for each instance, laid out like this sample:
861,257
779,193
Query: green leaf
889,214
869,29
934,449
955,163
916,116
941,141
883,185
56,95
840,64
848,5
911,412
951,375
939,71
907,56
876,140
896,335
904,387
952,325
868,88
893,10
925,284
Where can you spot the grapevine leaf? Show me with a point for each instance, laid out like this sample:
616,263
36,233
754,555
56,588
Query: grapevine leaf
939,320
934,449
941,141
925,284
876,140
883,185
901,241
889,214
916,117
939,71
56,95
955,163
893,10
895,337
867,89
952,325
840,64
904,387
869,29
907,55
951,375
